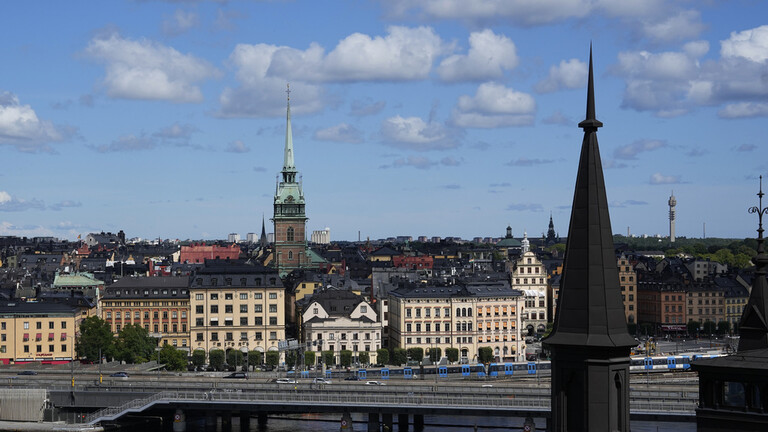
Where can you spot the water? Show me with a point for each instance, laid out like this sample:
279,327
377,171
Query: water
332,422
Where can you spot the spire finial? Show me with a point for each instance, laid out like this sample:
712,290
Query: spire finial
760,210
590,122
288,91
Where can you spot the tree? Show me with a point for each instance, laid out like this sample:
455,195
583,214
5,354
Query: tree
693,327
382,356
309,358
485,354
452,354
399,356
234,357
345,358
198,357
173,359
273,358
416,354
95,335
723,327
329,358
134,345
255,358
216,359
435,354
709,327
290,358
364,358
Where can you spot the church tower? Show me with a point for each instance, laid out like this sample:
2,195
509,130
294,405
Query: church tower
289,217
589,342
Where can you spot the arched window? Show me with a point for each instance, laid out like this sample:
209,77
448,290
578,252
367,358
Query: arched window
290,255
463,326
458,312
289,234
469,327
469,311
458,326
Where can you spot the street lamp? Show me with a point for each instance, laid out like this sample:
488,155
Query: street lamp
72,362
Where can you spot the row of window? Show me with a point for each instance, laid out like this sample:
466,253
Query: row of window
229,322
146,292
142,303
231,296
243,281
38,325
155,314
200,309
706,311
525,281
156,327
428,340
355,348
229,336
343,336
39,348
522,269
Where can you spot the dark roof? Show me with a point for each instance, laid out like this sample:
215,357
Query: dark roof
156,287
590,311
20,307
743,360
336,302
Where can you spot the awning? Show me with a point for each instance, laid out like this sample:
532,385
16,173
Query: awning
50,336
26,336
39,336
63,336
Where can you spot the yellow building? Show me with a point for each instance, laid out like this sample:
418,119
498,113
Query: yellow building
628,282
38,332
236,306
465,317
159,304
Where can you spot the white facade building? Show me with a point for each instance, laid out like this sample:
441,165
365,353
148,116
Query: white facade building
530,276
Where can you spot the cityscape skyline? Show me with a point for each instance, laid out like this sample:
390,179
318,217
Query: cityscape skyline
167,119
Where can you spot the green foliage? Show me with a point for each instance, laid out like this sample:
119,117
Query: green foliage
559,248
291,358
709,327
364,358
723,327
198,357
309,358
345,358
95,334
382,356
435,354
255,358
416,354
329,358
273,358
399,356
693,327
452,354
172,358
485,354
134,345
216,359
234,357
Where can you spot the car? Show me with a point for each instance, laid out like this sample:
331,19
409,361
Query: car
237,375
376,383
119,375
285,381
321,380
27,372
352,378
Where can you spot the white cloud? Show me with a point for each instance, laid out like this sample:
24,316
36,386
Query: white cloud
744,109
630,151
488,57
366,107
416,134
180,22
660,179
149,70
404,54
127,143
569,74
4,197
7,228
10,203
750,44
340,133
684,24
494,106
176,131
21,128
237,146
524,12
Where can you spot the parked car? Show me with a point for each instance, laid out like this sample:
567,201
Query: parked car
119,375
237,375
321,380
27,373
352,378
285,381
376,383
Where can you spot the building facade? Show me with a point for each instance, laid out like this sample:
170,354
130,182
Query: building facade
38,332
530,276
628,282
158,304
236,306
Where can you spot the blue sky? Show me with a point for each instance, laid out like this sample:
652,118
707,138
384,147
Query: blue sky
410,117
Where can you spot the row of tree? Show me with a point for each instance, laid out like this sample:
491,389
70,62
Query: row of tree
131,345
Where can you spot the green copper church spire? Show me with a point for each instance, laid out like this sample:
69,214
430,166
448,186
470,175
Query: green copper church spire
289,167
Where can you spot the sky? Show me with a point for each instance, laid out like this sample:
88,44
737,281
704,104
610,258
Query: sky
166,119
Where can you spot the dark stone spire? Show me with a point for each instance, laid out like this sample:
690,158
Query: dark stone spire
551,235
590,310
589,342
263,239
753,326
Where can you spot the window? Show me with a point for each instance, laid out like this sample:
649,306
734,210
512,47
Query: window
228,336
243,296
243,321
146,315
418,312
214,309
273,308
165,314
289,234
408,328
50,325
243,335
198,321
214,336
272,335
198,296
214,296
39,325
63,325
243,308
408,313
257,296
228,308
257,308
257,336
257,321
272,296
228,296
272,320
363,309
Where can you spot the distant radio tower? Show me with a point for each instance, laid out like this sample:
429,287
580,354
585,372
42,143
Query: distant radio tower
672,204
